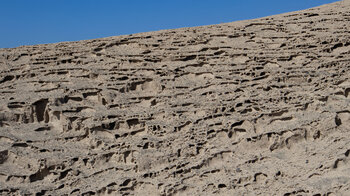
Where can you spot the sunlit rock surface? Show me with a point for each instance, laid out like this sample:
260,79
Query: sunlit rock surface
244,108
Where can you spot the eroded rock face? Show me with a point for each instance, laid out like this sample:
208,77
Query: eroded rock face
250,107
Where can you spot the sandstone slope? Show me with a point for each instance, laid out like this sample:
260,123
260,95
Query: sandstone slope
257,107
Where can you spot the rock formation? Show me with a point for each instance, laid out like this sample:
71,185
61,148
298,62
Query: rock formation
257,107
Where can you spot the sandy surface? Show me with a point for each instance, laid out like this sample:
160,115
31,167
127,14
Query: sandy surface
257,107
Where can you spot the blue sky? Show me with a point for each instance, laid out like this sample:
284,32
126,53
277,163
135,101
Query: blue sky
28,22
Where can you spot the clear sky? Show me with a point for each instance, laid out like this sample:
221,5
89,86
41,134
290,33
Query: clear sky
28,22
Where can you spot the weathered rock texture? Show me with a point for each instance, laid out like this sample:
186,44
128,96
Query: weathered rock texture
244,108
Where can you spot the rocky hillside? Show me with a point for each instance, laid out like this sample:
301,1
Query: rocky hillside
257,107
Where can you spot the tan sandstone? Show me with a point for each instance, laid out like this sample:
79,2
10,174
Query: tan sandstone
256,107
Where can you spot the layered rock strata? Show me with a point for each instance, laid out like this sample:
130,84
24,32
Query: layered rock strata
244,108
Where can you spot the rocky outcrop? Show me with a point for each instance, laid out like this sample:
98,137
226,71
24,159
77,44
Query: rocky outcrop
250,107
